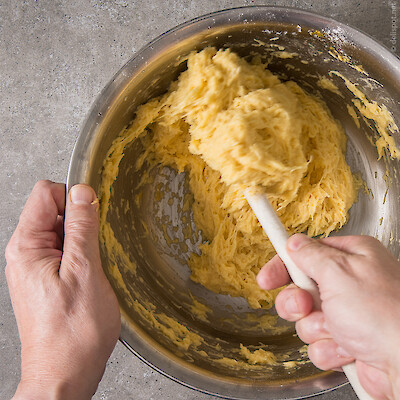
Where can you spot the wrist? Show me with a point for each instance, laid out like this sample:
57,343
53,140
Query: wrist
39,391
48,378
45,390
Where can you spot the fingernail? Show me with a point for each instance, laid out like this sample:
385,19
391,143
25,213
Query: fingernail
82,194
291,306
297,241
341,352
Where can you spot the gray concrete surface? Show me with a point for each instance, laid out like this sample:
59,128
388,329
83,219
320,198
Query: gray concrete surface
55,56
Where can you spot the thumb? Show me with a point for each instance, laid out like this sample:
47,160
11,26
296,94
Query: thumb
315,258
81,226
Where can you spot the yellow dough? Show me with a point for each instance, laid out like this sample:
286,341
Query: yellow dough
229,123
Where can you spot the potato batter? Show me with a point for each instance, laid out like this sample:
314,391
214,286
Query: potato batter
229,123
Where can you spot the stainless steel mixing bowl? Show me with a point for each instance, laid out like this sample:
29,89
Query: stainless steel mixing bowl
162,277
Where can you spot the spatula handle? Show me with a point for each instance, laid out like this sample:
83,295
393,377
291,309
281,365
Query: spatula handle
278,236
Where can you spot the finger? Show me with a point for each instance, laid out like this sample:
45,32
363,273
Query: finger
374,381
81,226
314,257
293,303
360,245
312,328
34,237
325,354
44,204
35,242
273,274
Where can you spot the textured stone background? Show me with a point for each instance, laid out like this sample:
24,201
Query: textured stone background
55,57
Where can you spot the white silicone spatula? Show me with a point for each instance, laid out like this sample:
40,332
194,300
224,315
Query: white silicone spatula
278,236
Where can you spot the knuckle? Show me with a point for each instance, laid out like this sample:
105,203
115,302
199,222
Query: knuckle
42,185
303,331
316,355
14,249
80,226
323,355
14,258
336,264
340,259
365,241
310,329
373,247
79,263
72,279
370,240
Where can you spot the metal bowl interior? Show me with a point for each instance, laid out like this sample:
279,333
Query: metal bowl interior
162,277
